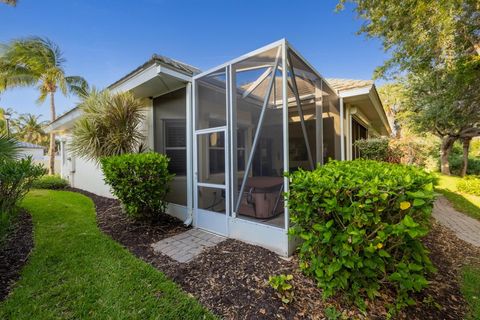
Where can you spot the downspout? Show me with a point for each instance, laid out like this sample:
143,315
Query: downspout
342,131
188,221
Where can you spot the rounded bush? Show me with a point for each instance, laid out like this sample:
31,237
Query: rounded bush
361,223
50,182
140,181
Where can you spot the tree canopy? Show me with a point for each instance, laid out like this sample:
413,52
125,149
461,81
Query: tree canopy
435,55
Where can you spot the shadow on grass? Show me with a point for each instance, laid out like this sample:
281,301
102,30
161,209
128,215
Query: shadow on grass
460,203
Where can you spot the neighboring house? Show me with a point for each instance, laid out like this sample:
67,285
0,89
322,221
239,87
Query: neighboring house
232,131
31,150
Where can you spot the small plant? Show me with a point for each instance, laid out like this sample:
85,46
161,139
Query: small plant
470,185
331,313
282,284
140,181
50,182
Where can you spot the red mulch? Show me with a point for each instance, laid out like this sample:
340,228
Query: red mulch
231,279
14,252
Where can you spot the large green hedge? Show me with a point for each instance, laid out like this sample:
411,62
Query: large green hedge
361,223
140,181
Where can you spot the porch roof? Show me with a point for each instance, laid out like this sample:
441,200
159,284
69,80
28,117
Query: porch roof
157,76
363,95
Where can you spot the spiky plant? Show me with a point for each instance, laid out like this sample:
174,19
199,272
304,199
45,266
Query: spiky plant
38,62
110,125
9,147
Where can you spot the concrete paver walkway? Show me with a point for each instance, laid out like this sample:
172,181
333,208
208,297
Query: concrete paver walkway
466,228
187,245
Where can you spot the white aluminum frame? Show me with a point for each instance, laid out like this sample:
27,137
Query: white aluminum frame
260,233
205,219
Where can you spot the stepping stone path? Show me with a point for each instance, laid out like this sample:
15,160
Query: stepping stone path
185,246
466,228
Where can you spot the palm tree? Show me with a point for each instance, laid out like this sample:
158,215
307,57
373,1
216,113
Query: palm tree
110,125
38,62
10,2
29,128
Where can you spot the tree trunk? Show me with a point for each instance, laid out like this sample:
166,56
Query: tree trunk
51,151
466,149
445,149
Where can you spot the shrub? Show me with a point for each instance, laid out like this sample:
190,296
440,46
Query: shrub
374,149
50,182
456,162
16,178
470,185
361,222
140,181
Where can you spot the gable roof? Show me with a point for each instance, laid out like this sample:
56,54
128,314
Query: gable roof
28,145
179,66
348,84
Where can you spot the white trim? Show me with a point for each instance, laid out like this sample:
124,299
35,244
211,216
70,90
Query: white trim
210,130
211,185
342,130
286,148
136,79
355,92
63,120
189,133
162,69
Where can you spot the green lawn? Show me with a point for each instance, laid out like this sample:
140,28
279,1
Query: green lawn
466,203
471,289
76,272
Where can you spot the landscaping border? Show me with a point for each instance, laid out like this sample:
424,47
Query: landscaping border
15,252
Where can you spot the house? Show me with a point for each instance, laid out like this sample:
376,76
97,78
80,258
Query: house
232,131
27,149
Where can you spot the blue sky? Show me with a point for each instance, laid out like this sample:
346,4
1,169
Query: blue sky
104,40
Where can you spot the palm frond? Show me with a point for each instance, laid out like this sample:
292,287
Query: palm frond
9,148
77,85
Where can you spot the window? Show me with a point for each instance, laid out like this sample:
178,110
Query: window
358,132
216,151
176,146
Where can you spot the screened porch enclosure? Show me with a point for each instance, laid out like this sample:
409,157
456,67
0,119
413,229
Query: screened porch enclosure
255,118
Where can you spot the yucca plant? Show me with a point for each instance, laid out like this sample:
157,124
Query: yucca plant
110,125
9,147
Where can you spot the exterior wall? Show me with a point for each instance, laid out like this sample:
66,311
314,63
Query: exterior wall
36,154
171,106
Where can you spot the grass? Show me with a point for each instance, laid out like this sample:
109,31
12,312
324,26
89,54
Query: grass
77,272
466,203
471,289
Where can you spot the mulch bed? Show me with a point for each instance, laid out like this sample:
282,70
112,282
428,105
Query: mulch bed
14,252
231,279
